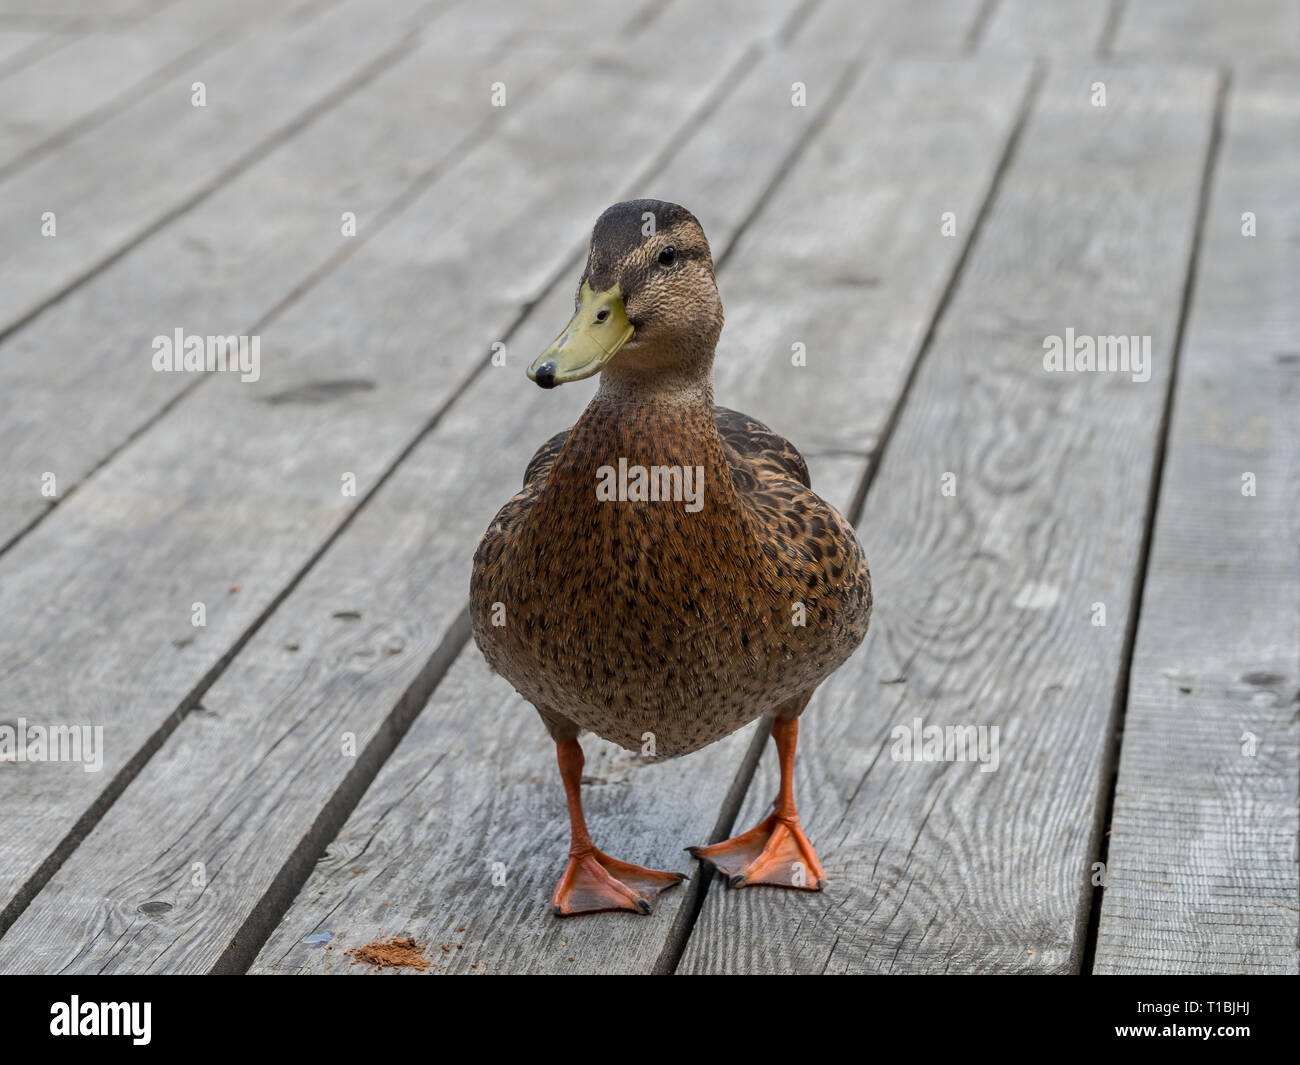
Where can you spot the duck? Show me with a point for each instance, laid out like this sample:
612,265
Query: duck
666,575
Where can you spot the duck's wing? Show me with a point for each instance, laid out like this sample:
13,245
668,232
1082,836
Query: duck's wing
492,551
758,456
539,466
825,568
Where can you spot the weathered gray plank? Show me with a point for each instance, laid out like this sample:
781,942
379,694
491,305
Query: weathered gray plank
96,71
1202,858
983,598
1240,32
1054,28
130,172
81,10
79,375
18,47
241,485
759,21
474,781
890,27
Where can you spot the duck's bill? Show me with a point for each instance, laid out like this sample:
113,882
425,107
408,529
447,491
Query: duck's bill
593,336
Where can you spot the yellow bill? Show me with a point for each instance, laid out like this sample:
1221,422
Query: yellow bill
594,334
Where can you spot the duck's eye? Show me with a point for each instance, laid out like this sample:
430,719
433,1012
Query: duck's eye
667,256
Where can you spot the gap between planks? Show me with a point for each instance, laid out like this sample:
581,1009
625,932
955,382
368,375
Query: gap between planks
745,773
213,43
962,841
300,120
1201,871
388,213
285,137
1110,766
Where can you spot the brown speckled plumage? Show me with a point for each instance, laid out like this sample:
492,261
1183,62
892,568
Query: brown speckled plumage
633,617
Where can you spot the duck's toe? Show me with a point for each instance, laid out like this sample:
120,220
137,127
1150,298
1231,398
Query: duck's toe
594,882
775,852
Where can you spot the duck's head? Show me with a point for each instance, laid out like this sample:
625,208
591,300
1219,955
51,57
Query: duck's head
647,296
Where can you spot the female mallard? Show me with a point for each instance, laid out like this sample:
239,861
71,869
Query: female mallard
666,570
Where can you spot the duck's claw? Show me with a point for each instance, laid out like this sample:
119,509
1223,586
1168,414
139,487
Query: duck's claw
594,882
775,851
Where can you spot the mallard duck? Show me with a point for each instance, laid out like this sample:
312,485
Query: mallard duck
666,575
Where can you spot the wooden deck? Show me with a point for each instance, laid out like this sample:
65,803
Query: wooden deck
1106,570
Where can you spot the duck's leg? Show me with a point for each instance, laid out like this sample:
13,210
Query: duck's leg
593,881
775,851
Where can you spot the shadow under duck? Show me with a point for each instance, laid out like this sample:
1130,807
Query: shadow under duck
667,568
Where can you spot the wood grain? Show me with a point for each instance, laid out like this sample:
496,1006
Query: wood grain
19,47
1202,856
890,27
84,11
100,71
257,92
983,598
1053,28
1243,32
80,375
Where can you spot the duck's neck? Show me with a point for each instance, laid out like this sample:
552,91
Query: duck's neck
688,388
659,417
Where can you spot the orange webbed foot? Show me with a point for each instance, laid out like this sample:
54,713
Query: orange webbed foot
775,851
594,882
